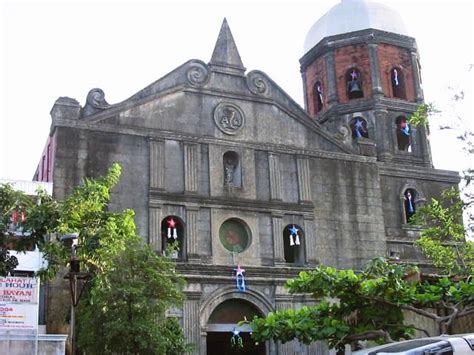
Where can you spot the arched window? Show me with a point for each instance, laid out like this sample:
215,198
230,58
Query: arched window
293,244
232,169
172,232
359,128
318,97
410,197
398,83
403,133
354,84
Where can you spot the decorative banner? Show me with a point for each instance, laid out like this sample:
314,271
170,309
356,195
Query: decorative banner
294,233
239,278
236,339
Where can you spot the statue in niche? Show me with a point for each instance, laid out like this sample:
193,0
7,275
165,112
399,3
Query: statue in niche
229,168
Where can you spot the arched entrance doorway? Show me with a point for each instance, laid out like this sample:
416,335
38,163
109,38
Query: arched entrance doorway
223,324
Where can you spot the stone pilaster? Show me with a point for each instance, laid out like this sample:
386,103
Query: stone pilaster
157,164
417,77
191,164
289,347
154,235
304,179
310,242
331,78
277,232
191,322
192,246
383,136
275,178
375,70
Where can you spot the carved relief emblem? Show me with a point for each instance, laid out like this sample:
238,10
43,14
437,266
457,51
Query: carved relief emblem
257,83
197,73
229,118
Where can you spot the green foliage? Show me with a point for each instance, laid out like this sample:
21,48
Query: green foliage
420,118
125,310
443,238
40,218
367,305
130,288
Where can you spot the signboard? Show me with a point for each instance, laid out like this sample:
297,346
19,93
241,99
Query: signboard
19,303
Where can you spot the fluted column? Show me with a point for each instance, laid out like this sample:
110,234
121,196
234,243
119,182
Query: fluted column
310,242
277,232
192,242
157,164
331,78
375,70
191,322
275,178
154,235
191,164
304,179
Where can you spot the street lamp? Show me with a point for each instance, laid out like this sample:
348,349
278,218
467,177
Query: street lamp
72,241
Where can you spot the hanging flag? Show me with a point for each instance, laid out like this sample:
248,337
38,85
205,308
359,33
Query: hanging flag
172,230
294,233
359,128
395,77
240,278
236,340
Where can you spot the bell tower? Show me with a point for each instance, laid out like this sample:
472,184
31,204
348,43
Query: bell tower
361,78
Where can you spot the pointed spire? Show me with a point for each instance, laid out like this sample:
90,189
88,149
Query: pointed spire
226,57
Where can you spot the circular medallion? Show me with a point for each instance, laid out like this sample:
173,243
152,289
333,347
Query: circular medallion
229,118
234,235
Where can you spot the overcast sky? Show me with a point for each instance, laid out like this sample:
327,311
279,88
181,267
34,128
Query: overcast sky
65,48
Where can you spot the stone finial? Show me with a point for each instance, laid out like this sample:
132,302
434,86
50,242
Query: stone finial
95,102
226,57
66,108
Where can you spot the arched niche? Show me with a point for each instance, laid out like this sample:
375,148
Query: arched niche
318,96
173,232
397,80
354,84
232,169
411,198
359,127
403,133
293,244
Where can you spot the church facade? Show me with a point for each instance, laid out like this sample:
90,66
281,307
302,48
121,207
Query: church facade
254,187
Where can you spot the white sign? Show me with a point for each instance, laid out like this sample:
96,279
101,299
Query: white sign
19,303
18,289
18,316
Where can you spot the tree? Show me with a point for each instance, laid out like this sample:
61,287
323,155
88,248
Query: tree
25,222
125,311
367,305
130,286
444,236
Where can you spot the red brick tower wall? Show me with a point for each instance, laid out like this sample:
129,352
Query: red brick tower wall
345,58
316,71
389,57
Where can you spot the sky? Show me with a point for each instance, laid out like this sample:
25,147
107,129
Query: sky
50,49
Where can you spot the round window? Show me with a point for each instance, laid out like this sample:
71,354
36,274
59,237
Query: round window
234,235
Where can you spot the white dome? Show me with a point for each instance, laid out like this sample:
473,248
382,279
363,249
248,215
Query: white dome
354,15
